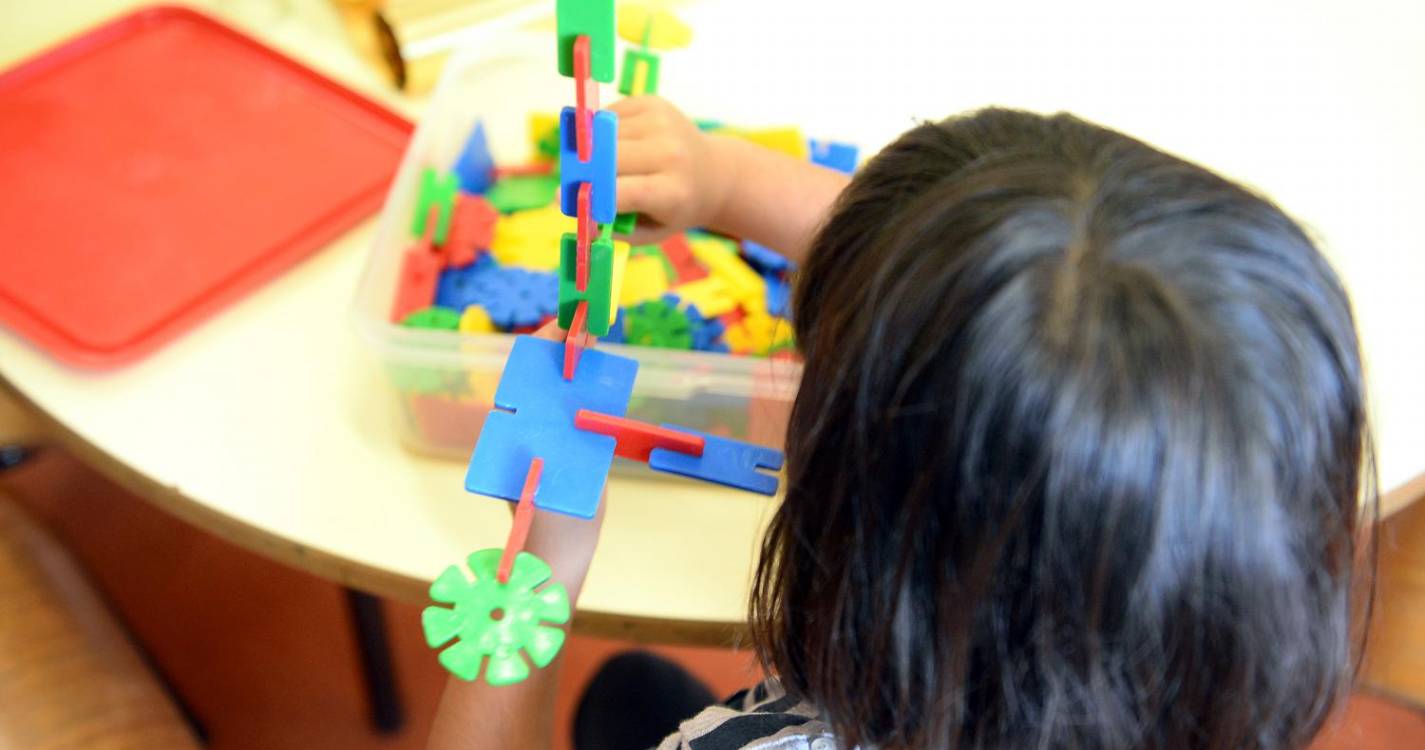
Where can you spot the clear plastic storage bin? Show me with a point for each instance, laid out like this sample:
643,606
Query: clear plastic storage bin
445,381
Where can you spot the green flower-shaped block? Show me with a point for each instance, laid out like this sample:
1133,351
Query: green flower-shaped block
495,621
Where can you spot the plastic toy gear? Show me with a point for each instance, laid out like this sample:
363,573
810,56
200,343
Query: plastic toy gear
657,323
493,622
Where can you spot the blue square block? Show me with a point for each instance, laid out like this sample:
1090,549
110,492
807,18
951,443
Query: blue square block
765,259
838,156
599,171
534,416
724,461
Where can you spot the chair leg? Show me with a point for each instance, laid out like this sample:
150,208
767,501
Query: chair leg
382,696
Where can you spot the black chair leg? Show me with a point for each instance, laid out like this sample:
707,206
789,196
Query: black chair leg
383,698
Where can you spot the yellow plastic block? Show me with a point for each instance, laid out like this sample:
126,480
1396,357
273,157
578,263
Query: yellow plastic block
531,238
789,140
709,294
644,279
621,249
755,334
541,126
476,320
743,284
654,27
709,242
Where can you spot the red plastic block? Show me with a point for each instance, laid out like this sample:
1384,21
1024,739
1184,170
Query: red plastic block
586,99
680,256
637,439
472,229
420,272
576,340
524,515
586,235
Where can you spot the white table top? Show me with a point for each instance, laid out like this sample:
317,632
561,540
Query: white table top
270,425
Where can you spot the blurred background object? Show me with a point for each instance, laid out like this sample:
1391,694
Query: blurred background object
409,40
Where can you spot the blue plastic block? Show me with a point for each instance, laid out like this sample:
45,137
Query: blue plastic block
615,334
514,297
724,461
765,259
706,331
838,156
599,171
779,295
475,164
534,416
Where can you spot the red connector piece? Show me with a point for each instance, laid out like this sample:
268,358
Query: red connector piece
524,515
586,232
576,340
472,229
586,99
637,439
680,256
420,270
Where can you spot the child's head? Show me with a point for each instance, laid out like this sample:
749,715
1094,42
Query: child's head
1076,458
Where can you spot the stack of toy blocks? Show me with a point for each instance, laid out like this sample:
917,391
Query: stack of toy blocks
560,408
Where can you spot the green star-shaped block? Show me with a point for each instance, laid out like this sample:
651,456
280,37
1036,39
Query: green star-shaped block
491,622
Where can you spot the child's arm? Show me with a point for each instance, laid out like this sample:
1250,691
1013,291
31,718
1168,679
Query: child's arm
677,177
474,715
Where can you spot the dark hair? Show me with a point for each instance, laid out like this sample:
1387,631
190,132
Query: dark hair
1078,455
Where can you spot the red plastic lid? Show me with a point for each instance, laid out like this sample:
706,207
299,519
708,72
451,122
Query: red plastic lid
158,167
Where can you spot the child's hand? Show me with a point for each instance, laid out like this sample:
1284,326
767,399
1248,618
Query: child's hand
667,170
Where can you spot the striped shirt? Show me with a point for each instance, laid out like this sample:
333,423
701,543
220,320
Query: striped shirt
759,718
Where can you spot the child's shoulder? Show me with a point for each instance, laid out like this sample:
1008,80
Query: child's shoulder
762,717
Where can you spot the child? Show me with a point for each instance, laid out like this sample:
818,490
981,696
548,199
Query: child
1077,459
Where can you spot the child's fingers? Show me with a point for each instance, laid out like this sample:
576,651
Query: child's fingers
550,331
655,194
641,157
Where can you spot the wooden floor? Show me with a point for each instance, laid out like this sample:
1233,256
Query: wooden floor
262,655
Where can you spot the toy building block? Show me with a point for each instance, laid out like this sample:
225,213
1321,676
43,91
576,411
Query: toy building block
474,165
492,622
724,461
838,156
599,289
584,230
519,193
658,324
586,99
416,281
513,297
779,295
680,255
644,279
620,268
544,135
534,416
599,170
742,282
434,317
652,28
636,439
476,320
710,295
764,258
640,73
624,224
437,190
472,229
524,516
576,340
530,239
591,18
755,333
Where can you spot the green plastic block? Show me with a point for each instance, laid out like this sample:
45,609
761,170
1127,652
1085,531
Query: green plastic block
591,18
659,324
632,60
438,189
434,317
657,252
600,286
491,622
624,224
523,192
